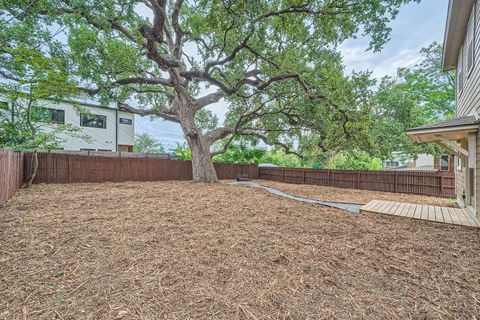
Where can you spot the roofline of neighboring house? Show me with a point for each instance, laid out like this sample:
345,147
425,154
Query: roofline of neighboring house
87,104
455,30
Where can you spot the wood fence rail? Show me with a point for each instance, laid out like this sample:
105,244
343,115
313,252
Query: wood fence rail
439,184
68,168
11,173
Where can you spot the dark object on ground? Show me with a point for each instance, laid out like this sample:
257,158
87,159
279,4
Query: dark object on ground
243,177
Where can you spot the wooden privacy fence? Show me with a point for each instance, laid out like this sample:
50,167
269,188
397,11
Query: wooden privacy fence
57,167
11,173
67,168
423,183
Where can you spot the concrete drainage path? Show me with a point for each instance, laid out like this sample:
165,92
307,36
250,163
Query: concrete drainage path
352,207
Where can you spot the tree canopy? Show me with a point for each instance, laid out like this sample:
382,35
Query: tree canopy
274,63
147,144
418,95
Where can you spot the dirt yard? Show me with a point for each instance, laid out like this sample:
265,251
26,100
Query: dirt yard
353,195
180,250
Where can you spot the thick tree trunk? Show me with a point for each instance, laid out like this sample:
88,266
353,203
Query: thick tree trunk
202,164
33,170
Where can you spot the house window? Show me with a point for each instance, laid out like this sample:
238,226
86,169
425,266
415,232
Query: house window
470,42
104,150
459,164
93,120
391,164
86,149
445,163
50,115
460,72
125,121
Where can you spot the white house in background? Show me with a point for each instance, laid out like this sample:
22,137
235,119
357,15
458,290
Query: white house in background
110,129
424,162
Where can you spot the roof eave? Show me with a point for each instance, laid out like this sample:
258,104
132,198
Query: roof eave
455,31
469,128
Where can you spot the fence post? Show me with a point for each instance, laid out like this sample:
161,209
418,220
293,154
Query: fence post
303,176
328,176
358,180
283,175
441,185
69,172
395,179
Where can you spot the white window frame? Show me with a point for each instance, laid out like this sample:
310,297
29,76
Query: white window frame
448,163
470,42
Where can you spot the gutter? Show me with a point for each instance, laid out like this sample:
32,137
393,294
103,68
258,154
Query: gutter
116,130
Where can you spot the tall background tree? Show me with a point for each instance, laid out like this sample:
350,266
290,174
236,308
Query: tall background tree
269,61
147,144
417,95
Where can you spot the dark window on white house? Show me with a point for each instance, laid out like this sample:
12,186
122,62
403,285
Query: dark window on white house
125,121
50,115
445,163
93,120
391,164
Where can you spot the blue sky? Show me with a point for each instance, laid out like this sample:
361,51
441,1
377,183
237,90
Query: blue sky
416,26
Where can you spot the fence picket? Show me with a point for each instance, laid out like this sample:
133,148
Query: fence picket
11,173
56,167
422,183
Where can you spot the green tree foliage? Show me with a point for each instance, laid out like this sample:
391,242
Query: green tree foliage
271,62
147,144
182,152
354,161
419,95
279,158
434,89
31,78
242,151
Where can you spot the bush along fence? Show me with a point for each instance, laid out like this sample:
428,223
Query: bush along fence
440,184
11,173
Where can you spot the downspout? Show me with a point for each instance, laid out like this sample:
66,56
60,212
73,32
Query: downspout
116,130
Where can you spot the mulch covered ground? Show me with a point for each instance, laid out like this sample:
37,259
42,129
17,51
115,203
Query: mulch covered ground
354,195
180,250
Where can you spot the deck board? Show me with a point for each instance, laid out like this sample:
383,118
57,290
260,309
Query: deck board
458,216
446,215
411,211
439,215
431,213
401,211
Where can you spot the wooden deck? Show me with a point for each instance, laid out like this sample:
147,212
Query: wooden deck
423,212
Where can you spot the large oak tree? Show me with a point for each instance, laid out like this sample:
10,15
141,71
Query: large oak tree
172,59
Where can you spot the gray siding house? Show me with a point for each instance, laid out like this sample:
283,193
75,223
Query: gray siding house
460,136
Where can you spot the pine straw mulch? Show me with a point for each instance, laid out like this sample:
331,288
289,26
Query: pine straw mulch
180,250
353,195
